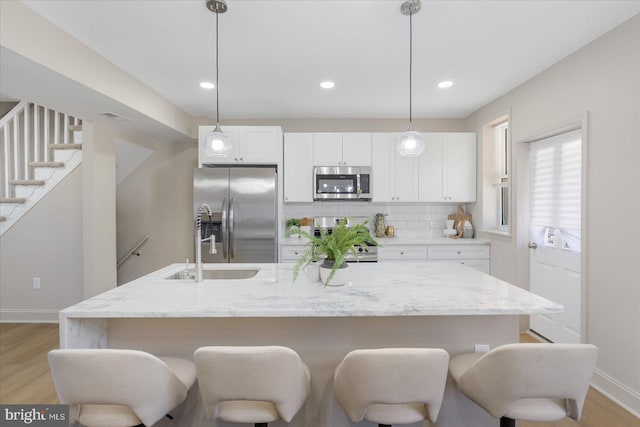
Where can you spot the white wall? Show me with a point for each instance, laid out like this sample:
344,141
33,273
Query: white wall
603,79
156,200
46,243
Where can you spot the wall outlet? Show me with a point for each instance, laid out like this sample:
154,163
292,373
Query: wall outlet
36,283
482,348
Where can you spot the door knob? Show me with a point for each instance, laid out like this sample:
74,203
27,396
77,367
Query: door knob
532,245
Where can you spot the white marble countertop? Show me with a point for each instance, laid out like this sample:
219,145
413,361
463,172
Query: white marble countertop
382,289
403,240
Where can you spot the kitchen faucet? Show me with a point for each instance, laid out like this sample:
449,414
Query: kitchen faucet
204,208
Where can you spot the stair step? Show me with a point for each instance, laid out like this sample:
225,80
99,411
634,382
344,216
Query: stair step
46,164
30,182
12,200
65,146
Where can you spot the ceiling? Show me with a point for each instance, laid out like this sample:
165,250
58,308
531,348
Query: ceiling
274,54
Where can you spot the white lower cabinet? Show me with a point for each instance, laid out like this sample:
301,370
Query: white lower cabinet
475,256
402,253
291,253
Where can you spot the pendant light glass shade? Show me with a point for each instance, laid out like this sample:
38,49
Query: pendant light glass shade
410,143
217,143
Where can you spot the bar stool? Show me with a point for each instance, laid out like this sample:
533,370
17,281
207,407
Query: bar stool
119,388
533,382
392,385
255,385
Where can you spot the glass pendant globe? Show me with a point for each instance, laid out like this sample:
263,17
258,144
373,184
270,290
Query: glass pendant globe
217,144
410,144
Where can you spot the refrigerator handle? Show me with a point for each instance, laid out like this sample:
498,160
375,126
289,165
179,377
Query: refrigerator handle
232,252
225,233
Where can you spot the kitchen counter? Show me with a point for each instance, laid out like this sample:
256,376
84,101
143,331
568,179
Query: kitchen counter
434,304
378,289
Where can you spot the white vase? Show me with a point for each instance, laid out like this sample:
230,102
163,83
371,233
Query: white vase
340,278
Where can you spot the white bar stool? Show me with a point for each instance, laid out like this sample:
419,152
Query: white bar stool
119,388
392,385
255,385
533,382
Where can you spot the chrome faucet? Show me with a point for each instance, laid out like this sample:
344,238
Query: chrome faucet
204,208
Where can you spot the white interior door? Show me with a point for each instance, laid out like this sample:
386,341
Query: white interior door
555,240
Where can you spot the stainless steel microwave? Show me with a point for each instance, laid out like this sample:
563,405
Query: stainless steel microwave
342,183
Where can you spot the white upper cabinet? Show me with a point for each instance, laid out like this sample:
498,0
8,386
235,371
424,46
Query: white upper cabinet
298,167
394,178
251,145
448,167
337,149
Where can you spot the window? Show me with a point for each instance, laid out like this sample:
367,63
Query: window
496,176
502,179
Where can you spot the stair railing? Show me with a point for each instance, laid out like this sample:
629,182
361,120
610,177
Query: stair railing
133,251
27,133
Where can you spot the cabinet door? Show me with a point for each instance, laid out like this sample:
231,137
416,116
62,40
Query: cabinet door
257,145
383,167
460,160
431,168
406,176
356,149
327,149
298,167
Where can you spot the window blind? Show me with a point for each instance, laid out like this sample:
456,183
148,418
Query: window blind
556,187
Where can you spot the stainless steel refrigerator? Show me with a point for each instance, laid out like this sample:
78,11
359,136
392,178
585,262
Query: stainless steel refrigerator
244,206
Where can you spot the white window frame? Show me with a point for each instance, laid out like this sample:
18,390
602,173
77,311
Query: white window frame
503,176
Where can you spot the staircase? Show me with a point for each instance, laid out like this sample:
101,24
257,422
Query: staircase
39,147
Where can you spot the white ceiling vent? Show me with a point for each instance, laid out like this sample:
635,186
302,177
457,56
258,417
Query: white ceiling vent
116,117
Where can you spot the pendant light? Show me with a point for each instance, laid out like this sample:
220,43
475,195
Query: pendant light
216,142
410,143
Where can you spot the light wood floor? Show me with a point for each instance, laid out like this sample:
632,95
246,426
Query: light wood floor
25,378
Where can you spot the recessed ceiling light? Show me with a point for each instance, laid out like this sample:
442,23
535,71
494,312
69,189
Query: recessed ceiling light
327,85
445,84
207,85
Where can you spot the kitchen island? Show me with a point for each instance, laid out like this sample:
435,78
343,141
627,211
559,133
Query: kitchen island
384,305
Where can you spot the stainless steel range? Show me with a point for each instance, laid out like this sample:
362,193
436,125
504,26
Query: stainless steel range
365,253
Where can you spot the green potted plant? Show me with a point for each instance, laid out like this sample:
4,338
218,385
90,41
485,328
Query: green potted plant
332,248
293,226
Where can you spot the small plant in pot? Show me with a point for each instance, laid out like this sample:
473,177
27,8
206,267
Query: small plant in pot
332,248
292,226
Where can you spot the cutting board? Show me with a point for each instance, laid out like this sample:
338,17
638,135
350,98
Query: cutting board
459,219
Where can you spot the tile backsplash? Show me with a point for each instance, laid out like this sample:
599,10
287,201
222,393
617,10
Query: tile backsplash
406,218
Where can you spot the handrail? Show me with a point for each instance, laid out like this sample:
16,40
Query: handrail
133,251
17,109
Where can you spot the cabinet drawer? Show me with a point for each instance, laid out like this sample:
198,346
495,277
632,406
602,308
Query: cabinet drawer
402,253
459,252
291,253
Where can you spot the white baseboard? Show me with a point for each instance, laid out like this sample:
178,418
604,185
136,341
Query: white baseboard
29,316
623,395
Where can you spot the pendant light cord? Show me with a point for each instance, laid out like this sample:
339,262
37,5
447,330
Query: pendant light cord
410,63
217,86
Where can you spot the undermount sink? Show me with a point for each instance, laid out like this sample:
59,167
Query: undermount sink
213,274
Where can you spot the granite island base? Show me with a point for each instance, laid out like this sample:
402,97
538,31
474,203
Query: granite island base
385,305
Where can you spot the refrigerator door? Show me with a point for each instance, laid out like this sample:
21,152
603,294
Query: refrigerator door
253,214
211,186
